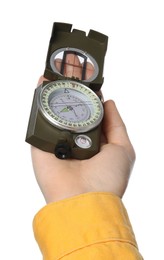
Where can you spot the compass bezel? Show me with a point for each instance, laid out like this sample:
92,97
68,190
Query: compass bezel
76,87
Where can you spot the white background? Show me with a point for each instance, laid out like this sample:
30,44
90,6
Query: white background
134,78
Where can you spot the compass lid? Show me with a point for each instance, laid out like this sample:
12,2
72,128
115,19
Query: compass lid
73,54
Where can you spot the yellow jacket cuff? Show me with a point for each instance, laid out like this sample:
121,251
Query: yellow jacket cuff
88,226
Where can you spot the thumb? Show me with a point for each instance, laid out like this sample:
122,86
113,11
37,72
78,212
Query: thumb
115,129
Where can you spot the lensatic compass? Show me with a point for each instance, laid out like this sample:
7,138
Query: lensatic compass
66,113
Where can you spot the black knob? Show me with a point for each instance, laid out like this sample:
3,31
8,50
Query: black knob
63,151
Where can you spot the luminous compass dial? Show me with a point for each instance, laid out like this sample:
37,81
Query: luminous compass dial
70,105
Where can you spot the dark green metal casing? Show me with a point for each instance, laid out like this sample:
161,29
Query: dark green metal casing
40,132
46,137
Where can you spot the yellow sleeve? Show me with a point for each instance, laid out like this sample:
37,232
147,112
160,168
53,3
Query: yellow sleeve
88,226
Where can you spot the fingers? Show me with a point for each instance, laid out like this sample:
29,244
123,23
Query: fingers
58,63
73,67
89,71
41,79
113,124
115,129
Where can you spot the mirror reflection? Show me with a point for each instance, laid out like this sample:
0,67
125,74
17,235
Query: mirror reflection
73,63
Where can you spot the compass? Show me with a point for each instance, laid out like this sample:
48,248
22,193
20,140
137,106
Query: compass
66,112
71,106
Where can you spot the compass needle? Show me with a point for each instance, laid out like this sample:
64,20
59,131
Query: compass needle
66,109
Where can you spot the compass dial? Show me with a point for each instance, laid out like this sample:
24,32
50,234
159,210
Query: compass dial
70,105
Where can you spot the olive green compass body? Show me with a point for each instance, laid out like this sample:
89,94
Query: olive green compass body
66,113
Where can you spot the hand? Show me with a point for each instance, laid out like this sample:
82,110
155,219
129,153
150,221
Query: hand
108,171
